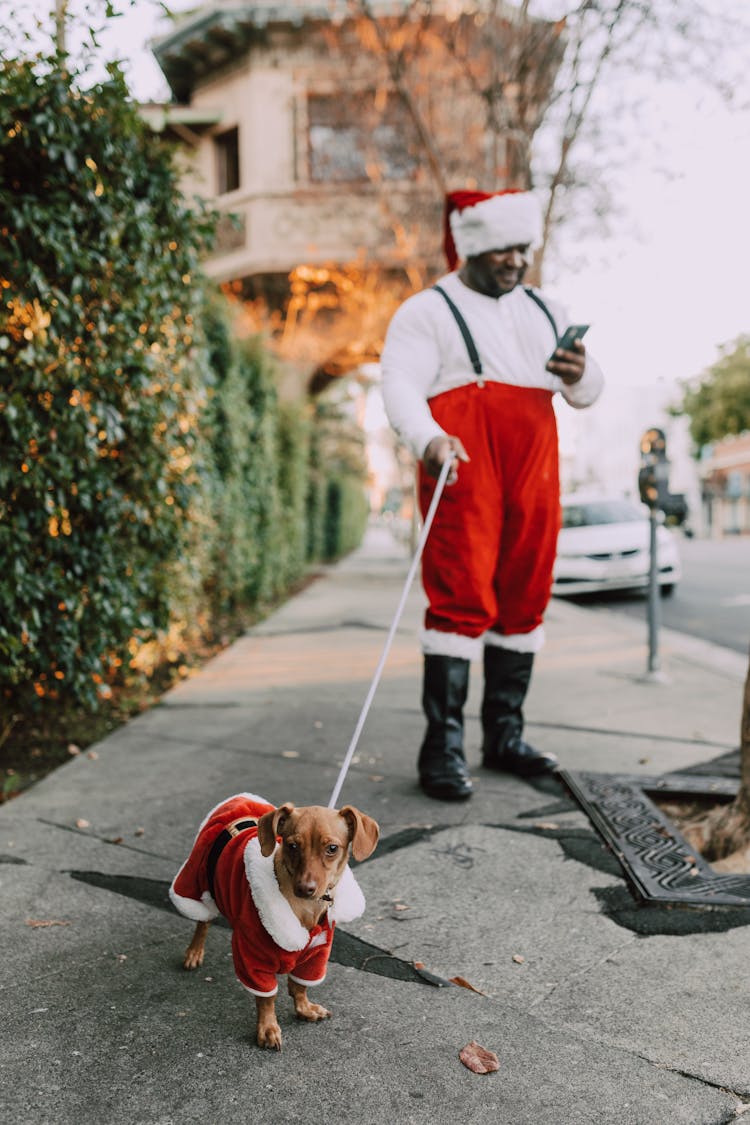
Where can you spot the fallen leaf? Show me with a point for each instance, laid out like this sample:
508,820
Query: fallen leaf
549,825
375,777
116,840
140,832
81,823
39,923
479,1059
418,964
93,755
73,749
400,906
462,982
519,958
289,754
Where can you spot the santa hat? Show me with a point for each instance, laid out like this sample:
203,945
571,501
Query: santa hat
477,221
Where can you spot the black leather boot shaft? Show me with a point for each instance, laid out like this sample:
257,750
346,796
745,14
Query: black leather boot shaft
442,766
506,681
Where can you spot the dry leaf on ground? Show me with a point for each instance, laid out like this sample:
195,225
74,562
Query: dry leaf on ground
479,1059
462,982
39,923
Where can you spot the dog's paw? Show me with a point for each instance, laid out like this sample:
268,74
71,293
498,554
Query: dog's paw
312,1012
193,958
269,1037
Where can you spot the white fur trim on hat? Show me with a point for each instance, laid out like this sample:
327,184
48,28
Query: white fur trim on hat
514,219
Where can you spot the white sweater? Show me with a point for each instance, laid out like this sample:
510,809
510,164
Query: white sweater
425,353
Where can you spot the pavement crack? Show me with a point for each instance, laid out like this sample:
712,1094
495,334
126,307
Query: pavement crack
405,838
609,956
116,842
347,950
640,736
740,1095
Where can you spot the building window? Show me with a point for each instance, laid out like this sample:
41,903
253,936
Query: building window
360,137
227,148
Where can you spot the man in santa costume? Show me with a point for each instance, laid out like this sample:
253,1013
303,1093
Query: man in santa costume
467,376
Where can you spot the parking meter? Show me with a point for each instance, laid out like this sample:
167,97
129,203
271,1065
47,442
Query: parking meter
653,479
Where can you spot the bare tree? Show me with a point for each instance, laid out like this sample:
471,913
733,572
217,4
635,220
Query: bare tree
549,77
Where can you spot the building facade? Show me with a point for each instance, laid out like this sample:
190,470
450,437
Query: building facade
724,470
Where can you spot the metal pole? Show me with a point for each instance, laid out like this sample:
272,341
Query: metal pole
653,596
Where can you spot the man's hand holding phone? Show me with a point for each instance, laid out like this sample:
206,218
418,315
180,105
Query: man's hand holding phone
568,361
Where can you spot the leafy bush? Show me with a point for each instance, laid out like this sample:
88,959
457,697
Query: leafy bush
260,452
101,379
337,502
150,480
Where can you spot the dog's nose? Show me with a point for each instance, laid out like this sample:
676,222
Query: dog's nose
305,888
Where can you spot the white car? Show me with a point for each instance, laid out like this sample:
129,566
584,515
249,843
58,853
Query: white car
604,544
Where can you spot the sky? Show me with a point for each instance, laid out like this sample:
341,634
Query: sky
665,289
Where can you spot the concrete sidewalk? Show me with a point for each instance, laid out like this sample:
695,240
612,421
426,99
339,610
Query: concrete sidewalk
591,1020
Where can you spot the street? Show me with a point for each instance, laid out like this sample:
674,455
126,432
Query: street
711,602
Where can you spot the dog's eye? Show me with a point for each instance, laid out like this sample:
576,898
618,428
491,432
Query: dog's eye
292,847
332,849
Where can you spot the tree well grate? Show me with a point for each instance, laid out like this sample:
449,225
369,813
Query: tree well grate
658,862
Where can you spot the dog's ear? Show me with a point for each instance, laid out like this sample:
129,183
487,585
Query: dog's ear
269,826
363,831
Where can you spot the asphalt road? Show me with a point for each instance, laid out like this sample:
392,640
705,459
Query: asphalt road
711,602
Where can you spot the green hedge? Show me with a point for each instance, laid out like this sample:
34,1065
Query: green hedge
150,480
101,384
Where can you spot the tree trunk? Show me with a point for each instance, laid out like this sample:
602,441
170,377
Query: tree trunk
726,831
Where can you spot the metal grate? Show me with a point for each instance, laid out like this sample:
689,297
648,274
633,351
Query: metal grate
657,861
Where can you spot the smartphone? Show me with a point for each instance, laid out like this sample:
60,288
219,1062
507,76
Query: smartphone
572,333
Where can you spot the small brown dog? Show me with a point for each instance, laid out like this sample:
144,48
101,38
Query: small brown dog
280,876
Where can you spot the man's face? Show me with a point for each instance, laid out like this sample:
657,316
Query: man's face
497,271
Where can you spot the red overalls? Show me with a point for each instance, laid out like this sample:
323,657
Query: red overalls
488,559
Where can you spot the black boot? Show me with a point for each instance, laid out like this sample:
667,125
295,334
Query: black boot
442,767
506,681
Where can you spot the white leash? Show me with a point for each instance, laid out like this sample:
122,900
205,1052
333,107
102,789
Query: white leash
389,640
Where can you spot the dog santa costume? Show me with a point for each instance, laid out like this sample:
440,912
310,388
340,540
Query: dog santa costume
267,937
459,362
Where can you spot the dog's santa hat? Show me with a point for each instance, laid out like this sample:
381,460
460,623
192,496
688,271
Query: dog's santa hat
477,221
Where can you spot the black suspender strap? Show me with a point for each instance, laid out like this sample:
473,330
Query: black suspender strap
538,301
471,347
220,843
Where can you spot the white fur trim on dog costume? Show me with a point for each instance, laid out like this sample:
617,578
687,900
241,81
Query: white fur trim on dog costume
204,911
277,916
348,900
514,219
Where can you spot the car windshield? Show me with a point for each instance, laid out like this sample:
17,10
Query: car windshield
600,511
